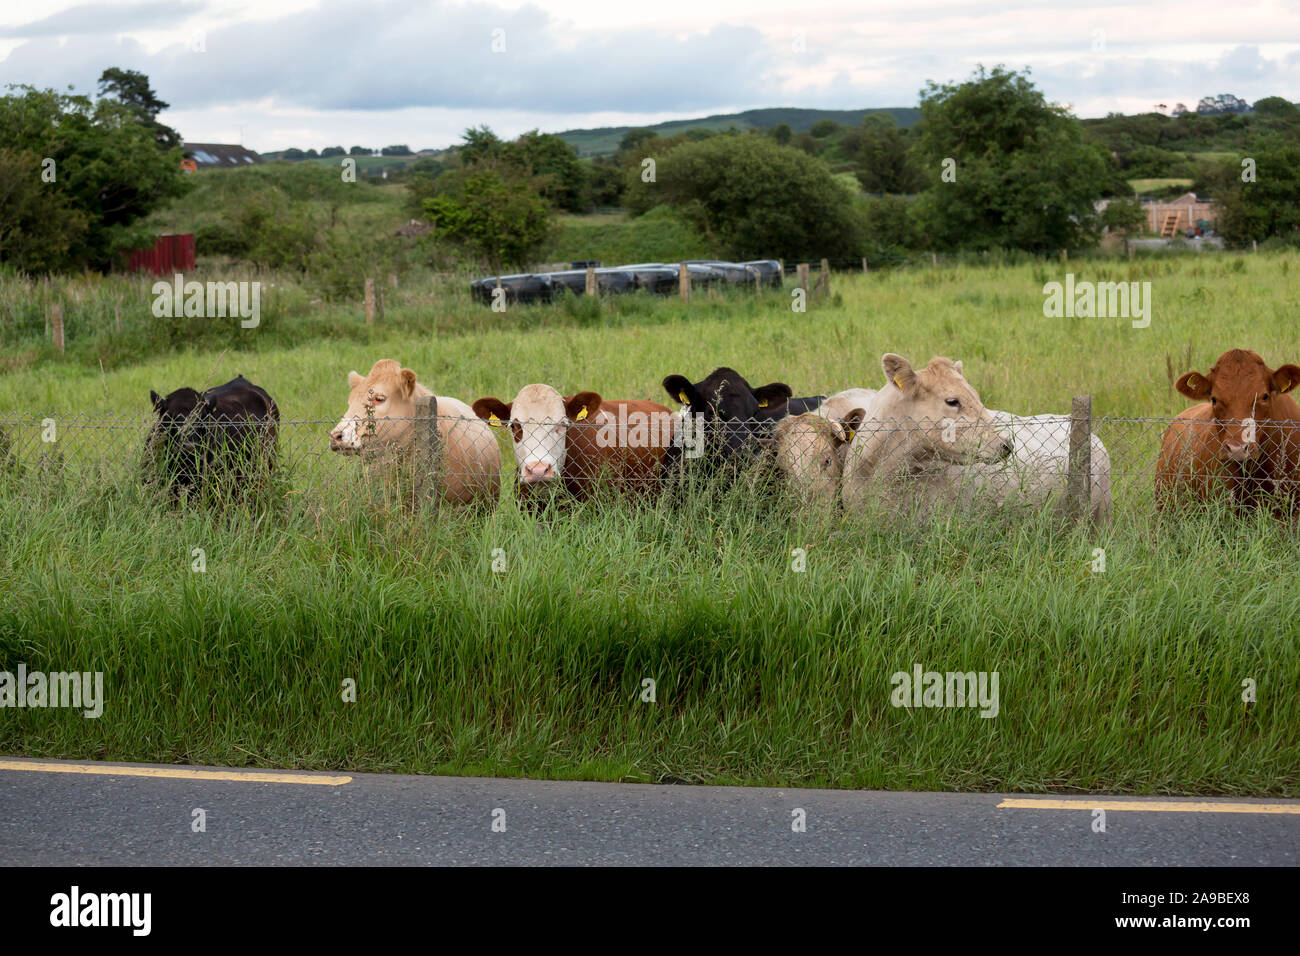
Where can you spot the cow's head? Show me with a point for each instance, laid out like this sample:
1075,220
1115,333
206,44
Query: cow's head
1242,392
809,452
727,399
377,405
937,413
539,420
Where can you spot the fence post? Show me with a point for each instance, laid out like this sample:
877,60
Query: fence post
758,282
427,441
824,280
801,271
392,279
56,323
370,302
1079,485
864,265
934,260
591,280
117,318
684,281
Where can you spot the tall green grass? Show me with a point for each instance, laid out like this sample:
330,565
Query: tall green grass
1128,680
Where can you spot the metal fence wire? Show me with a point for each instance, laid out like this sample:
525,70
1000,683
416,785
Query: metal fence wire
1090,466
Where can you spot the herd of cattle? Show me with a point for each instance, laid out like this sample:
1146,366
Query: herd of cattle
923,439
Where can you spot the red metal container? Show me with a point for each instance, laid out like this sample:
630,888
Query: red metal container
169,255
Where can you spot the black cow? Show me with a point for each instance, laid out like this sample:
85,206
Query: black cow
732,417
221,440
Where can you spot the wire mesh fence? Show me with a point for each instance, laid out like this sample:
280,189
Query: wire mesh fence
1088,466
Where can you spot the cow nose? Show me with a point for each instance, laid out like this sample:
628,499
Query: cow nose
336,439
535,471
1006,449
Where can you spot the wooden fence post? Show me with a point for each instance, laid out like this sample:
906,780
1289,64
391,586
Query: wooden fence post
1079,482
370,302
824,280
393,280
56,323
758,282
684,281
591,280
934,260
801,271
864,265
427,443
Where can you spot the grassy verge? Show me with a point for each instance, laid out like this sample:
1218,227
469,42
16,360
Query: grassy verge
1128,680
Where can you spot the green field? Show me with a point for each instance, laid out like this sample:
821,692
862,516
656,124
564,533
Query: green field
1128,680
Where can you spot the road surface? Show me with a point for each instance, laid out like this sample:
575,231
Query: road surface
68,813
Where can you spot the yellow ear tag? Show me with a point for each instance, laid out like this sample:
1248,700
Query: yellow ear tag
898,381
494,421
850,432
762,404
581,415
681,397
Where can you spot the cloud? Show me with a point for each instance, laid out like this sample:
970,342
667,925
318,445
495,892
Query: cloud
107,18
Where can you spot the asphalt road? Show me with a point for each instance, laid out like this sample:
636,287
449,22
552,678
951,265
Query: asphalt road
91,814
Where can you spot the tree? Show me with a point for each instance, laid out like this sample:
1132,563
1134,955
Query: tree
636,139
823,128
753,197
496,211
131,89
782,133
882,163
1267,204
38,224
359,151
331,151
106,165
554,161
1124,217
480,144
1006,169
399,150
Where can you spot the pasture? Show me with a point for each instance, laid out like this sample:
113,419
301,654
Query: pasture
1127,680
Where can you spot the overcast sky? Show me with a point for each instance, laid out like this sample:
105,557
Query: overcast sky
315,73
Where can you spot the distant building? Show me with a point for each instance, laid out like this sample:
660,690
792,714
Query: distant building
220,155
1175,216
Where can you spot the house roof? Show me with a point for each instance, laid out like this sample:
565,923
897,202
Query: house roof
221,154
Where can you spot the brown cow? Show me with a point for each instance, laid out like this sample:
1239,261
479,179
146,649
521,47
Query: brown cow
579,440
1243,443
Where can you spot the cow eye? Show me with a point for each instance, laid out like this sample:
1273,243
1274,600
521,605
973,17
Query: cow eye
1213,400
953,403
380,399
1264,397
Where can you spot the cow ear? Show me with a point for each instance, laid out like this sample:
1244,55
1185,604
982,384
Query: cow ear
957,366
355,379
582,406
680,389
773,395
156,400
492,410
1286,378
899,372
851,423
1194,385
407,378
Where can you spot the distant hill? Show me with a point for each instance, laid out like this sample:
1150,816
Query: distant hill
604,141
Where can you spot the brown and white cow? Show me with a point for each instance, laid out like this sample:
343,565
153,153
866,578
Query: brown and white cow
580,440
1243,443
378,426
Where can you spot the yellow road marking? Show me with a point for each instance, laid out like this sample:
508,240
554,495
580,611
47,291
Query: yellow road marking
1148,806
244,776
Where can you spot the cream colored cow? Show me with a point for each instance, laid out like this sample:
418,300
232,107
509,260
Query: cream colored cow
378,426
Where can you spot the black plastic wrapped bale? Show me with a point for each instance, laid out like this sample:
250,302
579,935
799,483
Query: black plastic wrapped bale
704,276
614,281
575,280
654,277
734,273
769,269
519,288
